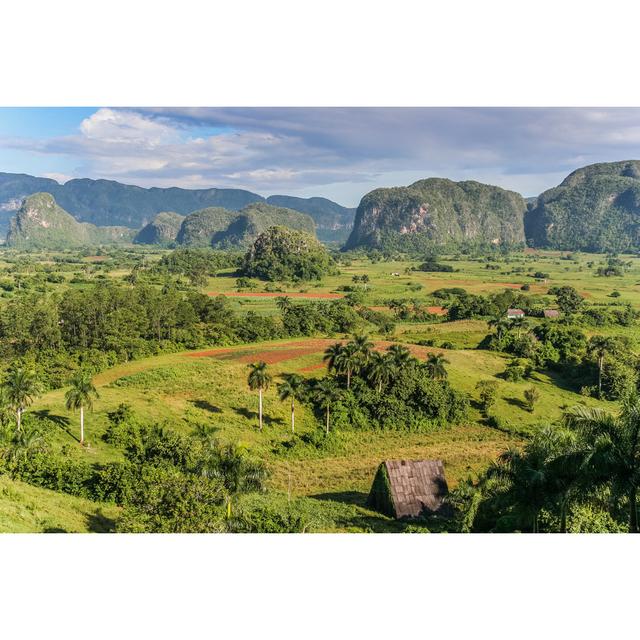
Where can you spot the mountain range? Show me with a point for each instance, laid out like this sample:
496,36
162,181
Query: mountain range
110,203
595,208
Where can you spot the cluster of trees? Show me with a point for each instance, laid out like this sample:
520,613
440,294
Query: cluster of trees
367,388
167,482
582,476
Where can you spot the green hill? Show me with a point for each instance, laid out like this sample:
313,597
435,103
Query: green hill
596,208
42,223
437,211
163,229
222,228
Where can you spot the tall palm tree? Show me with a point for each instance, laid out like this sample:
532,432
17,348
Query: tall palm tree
81,395
348,361
332,355
500,325
292,388
380,369
599,347
21,387
611,448
259,379
400,355
326,393
435,366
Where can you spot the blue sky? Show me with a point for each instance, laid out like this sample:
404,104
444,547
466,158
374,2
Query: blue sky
339,153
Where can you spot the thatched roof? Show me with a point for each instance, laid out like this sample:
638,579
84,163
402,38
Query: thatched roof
409,488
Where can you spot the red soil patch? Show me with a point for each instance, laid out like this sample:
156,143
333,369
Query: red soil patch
437,311
268,294
313,367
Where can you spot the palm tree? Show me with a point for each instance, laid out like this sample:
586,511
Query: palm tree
81,395
599,346
21,387
400,355
348,360
326,393
332,355
292,388
283,303
611,448
24,443
380,369
238,473
259,379
435,366
501,325
362,346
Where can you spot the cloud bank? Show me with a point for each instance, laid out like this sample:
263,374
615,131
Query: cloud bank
340,152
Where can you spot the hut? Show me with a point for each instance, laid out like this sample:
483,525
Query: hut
409,488
551,313
515,313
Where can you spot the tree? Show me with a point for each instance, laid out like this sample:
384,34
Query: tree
610,448
363,347
380,369
348,360
292,388
531,396
21,387
435,366
237,472
399,355
599,347
568,299
283,303
500,325
332,355
259,379
488,393
326,393
81,395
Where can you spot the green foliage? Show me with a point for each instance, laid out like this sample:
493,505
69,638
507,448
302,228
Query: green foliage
285,254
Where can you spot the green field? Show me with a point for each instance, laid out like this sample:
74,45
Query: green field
193,388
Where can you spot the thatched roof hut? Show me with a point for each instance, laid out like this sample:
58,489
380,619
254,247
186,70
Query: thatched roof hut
409,488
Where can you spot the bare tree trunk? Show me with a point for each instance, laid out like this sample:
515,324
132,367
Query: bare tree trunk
348,378
293,416
18,417
327,419
81,425
600,363
260,392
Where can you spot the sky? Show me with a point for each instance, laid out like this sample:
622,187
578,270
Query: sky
337,153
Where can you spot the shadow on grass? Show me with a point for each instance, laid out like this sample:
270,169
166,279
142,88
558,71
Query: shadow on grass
99,523
516,402
206,406
253,415
346,497
62,422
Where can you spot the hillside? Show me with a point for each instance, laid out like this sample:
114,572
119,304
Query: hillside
438,211
107,202
41,223
162,230
596,208
333,221
222,228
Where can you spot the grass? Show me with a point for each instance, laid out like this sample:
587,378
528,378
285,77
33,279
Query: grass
28,509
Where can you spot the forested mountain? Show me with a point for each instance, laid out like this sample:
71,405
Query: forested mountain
42,223
106,202
333,221
222,228
162,230
596,208
438,211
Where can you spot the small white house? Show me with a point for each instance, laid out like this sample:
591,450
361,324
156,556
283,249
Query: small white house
512,314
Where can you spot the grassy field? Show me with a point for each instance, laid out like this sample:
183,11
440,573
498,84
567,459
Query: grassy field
209,387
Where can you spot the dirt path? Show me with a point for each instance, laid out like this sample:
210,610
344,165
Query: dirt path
268,294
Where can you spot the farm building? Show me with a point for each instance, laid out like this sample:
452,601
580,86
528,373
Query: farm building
409,488
515,313
551,313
